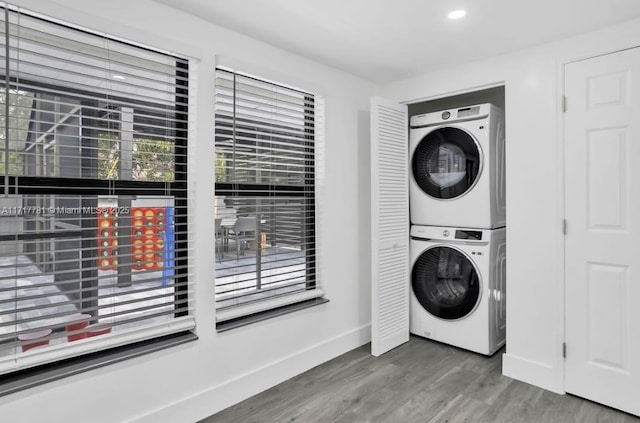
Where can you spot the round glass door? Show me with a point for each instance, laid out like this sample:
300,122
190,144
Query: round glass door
446,283
446,163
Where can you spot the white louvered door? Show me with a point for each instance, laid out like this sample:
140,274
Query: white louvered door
389,226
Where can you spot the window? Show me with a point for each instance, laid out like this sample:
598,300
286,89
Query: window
93,175
264,199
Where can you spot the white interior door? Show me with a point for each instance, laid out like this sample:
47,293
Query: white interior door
389,225
602,162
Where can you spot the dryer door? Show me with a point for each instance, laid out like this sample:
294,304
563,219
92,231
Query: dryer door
445,282
447,163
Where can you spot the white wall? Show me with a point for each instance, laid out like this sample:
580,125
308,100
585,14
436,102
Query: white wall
189,382
535,285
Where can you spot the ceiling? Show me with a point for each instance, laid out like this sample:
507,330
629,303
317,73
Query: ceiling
387,40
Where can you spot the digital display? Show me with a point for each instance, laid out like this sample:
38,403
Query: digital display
462,234
468,111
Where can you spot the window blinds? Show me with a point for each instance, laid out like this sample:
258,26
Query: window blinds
264,195
94,207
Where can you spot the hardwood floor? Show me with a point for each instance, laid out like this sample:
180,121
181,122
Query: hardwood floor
420,381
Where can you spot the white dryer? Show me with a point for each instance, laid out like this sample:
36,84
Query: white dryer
458,165
458,286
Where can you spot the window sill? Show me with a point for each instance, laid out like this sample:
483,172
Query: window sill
29,378
268,314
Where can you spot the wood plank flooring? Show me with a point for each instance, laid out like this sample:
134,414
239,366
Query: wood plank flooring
420,381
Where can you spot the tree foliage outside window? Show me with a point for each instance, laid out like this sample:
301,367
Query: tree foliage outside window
221,168
20,105
108,155
152,159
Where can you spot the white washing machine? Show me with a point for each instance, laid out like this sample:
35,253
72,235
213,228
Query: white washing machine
458,286
458,167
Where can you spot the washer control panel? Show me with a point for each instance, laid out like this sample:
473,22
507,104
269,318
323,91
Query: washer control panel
468,234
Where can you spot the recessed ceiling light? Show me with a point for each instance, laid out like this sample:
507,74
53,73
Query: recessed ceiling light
120,77
457,14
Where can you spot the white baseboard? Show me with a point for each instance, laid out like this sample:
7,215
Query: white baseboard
217,398
539,374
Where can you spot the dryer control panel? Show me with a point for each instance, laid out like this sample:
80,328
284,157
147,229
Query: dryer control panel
478,111
468,111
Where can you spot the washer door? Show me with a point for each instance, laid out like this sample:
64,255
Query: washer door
446,283
446,163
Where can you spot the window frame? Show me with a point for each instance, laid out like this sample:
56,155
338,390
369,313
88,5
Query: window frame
83,185
306,192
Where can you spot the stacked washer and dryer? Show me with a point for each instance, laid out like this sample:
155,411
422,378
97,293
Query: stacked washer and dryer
458,241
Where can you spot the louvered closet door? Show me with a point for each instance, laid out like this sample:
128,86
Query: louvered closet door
389,226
